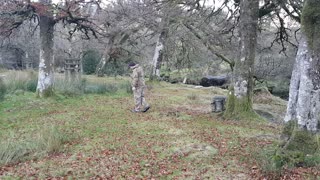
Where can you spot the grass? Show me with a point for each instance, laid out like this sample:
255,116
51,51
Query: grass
15,149
3,89
20,80
96,136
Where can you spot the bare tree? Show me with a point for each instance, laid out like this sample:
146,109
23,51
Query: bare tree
15,12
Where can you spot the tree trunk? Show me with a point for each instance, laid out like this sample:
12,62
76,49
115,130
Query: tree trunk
46,73
159,50
157,58
105,57
303,111
240,96
304,96
301,65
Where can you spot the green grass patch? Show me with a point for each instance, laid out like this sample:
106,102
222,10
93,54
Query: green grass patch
48,140
95,135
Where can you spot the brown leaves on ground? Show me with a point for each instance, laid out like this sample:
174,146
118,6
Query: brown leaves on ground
171,141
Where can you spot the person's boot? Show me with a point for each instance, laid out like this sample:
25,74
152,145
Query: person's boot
146,109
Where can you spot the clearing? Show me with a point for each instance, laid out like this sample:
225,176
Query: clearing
178,138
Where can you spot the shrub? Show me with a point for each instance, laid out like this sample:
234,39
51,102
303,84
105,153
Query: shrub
3,89
116,67
90,61
31,85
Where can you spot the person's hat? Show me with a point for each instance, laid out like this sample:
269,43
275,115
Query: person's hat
131,64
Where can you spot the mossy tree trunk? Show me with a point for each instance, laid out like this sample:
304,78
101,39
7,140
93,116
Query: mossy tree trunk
239,105
46,73
303,111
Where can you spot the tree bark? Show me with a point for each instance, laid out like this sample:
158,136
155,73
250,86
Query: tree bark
157,57
159,50
304,96
240,96
302,56
303,111
105,57
46,73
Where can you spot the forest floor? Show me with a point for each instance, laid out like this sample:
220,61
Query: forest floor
178,138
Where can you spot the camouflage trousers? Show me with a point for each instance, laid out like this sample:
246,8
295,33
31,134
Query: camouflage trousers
139,100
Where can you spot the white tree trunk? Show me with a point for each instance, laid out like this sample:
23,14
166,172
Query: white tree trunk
46,75
160,46
295,80
304,99
157,58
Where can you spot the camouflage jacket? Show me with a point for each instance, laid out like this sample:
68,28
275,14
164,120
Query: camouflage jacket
137,77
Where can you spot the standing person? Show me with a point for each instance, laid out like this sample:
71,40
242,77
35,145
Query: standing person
138,87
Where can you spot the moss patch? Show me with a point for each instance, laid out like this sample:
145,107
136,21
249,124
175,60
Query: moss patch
240,109
311,22
299,147
304,141
46,93
289,158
